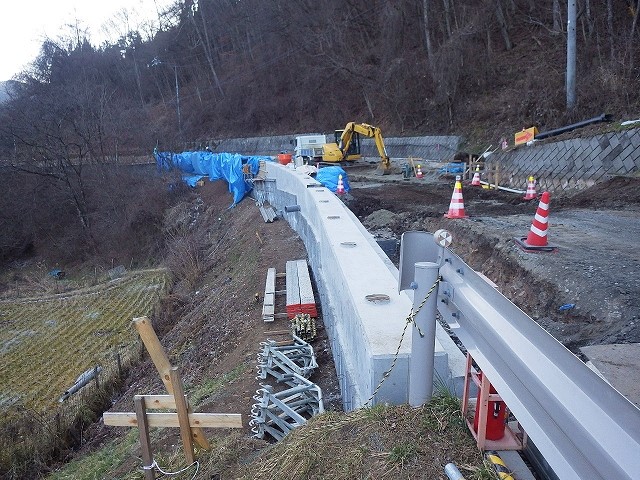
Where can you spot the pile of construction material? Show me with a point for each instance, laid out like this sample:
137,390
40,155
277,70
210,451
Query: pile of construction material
278,412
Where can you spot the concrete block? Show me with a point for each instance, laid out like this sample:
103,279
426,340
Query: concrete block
629,165
613,140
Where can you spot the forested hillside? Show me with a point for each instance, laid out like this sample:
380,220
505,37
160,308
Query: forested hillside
224,68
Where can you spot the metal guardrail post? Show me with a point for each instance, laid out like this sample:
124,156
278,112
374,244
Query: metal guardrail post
423,341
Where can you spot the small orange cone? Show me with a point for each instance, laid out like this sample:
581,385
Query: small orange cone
340,187
419,171
536,241
456,207
475,182
531,189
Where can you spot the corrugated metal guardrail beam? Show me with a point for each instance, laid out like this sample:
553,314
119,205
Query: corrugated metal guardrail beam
582,426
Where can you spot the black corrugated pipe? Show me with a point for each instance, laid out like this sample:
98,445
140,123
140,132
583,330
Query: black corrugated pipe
550,133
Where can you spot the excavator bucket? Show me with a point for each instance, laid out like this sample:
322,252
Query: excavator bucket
383,168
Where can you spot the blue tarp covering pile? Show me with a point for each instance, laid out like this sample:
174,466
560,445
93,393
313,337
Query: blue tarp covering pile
216,166
328,176
455,167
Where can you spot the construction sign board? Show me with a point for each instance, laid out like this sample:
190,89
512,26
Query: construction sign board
525,135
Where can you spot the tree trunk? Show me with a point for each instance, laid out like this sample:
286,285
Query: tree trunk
447,13
571,54
557,18
631,46
503,25
610,29
204,39
587,9
427,35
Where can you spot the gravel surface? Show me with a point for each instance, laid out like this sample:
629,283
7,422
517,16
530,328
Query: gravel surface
596,269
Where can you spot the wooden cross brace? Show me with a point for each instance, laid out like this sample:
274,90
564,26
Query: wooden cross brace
190,423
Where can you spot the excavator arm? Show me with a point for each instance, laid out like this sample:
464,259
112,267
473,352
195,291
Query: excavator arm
368,131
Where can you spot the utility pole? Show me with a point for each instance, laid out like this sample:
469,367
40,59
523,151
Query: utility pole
571,54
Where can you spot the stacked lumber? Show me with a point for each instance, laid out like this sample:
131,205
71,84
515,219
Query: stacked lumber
268,304
300,297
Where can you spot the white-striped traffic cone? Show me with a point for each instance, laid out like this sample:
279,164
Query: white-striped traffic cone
476,178
340,187
531,189
456,207
536,240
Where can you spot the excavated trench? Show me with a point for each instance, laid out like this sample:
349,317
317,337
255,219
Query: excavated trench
604,309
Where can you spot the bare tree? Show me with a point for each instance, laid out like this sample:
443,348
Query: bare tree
557,17
503,25
427,34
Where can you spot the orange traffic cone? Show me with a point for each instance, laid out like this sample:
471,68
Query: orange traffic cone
419,171
476,178
536,241
531,190
456,207
340,187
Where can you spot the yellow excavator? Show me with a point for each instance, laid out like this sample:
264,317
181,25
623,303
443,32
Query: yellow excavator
347,145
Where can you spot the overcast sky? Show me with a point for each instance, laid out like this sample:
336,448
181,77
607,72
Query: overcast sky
25,23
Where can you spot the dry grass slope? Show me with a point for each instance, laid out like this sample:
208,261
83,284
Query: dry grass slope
46,342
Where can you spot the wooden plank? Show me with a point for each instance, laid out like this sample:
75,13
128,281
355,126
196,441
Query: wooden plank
483,407
162,364
269,298
158,402
162,419
292,288
270,284
155,349
145,442
183,415
304,283
268,303
268,313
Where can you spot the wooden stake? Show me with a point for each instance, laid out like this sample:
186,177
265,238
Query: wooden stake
183,414
483,407
145,443
465,391
161,361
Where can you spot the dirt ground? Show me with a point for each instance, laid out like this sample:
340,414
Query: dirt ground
596,267
213,331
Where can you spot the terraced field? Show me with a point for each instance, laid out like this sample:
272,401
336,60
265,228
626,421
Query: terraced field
47,342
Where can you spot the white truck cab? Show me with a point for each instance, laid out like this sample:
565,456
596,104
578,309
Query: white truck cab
309,147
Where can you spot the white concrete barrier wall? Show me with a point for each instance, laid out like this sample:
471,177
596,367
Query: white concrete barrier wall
348,265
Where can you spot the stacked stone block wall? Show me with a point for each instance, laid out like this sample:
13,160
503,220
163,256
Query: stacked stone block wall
569,164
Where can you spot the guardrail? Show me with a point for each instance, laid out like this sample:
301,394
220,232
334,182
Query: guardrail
582,426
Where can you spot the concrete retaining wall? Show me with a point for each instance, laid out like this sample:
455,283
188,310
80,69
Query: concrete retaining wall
432,148
347,266
570,164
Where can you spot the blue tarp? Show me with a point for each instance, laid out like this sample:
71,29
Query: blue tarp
216,166
455,167
328,176
192,180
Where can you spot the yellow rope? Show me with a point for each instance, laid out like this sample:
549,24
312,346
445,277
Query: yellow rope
410,319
